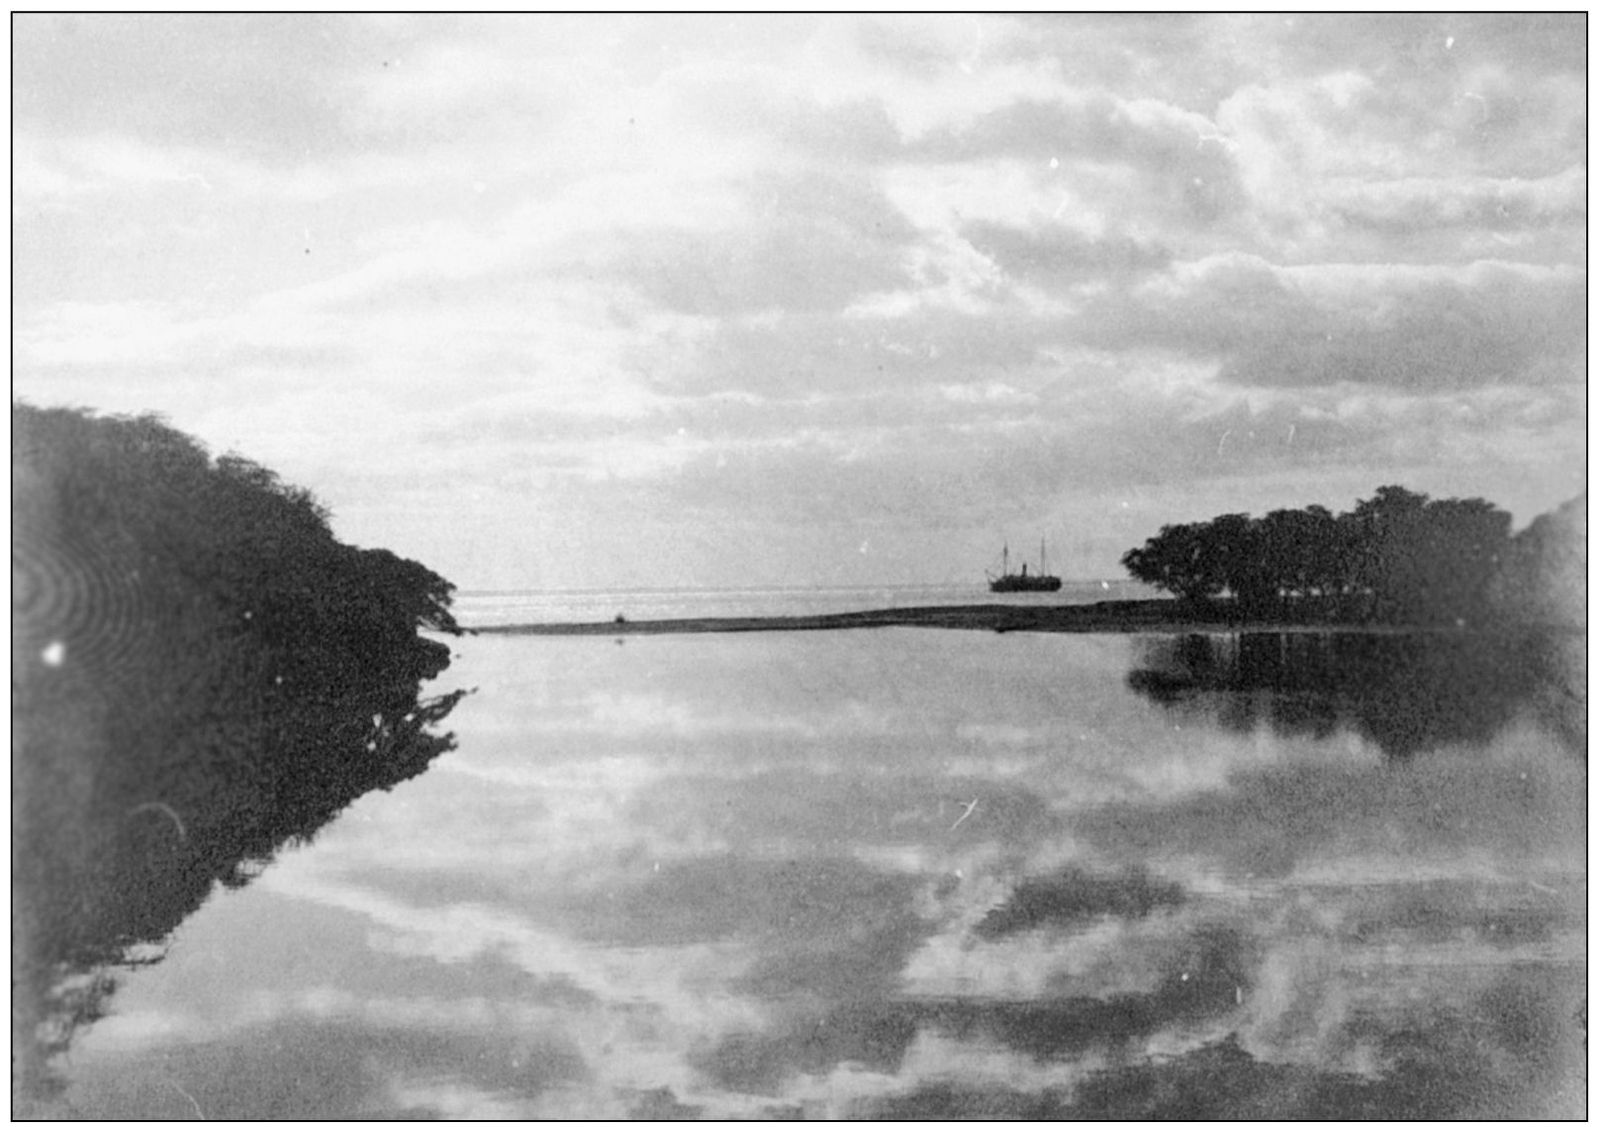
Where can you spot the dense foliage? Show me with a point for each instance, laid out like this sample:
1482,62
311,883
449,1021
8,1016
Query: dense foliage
1397,556
201,673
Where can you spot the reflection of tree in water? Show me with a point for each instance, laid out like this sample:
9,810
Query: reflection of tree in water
201,673
1407,692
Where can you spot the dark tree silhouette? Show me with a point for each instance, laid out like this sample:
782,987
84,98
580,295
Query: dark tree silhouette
1175,560
1428,560
1241,561
1397,556
201,672
1465,539
1303,547
1384,543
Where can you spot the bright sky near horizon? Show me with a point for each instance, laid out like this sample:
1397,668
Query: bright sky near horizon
557,301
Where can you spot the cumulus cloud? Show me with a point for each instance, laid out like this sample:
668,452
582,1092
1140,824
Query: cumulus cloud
1423,328
1047,254
260,84
868,259
799,244
1413,205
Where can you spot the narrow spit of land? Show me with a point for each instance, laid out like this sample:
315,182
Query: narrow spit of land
1115,617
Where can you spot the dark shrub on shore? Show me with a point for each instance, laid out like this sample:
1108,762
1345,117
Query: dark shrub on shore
201,672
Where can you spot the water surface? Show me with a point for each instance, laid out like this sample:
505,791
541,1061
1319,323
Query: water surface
898,872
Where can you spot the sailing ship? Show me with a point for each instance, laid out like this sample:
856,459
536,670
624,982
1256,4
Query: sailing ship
1009,581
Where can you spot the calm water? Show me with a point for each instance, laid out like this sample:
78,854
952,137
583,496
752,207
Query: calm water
512,608
904,872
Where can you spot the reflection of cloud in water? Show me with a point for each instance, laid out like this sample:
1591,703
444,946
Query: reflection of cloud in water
459,933
508,822
323,1065
641,1004
996,736
1440,1066
1513,808
1202,977
1355,1035
810,929
1322,970
1204,808
1073,898
662,717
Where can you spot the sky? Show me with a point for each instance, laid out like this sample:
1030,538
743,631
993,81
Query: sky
586,301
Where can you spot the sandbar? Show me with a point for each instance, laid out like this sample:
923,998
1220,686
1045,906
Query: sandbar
1129,616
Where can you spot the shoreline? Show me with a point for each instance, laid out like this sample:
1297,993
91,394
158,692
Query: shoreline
1133,616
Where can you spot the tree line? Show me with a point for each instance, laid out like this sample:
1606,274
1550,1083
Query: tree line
1397,556
201,673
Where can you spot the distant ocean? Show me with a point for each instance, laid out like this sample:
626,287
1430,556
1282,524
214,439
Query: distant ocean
511,608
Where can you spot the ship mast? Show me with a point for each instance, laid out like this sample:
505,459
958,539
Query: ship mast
1042,555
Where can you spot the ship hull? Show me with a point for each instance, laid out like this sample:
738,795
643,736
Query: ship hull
1012,583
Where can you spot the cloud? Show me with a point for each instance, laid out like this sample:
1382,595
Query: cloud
929,49
1445,335
1414,205
1152,138
802,243
264,85
822,354
1423,328
1415,42
1047,254
81,332
938,266
858,131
